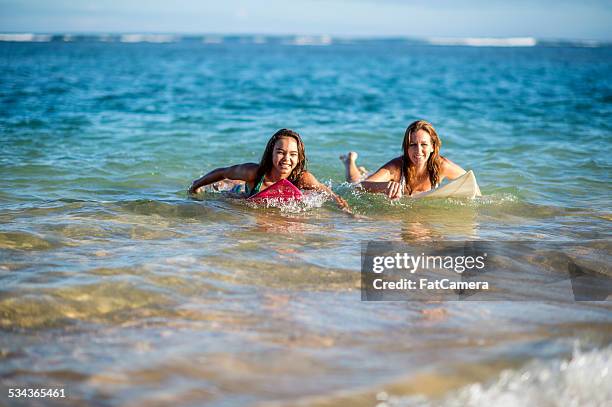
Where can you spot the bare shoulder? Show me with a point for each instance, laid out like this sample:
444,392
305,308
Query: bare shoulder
394,167
308,179
445,163
449,169
391,171
250,166
395,164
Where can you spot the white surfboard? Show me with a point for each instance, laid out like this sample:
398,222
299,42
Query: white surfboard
463,187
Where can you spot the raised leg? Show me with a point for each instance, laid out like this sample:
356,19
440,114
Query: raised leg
352,172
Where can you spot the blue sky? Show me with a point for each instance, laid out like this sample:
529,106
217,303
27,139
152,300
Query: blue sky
560,19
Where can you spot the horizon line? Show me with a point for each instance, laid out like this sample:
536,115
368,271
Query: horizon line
298,34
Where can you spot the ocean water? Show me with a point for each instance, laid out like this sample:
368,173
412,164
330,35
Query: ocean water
118,287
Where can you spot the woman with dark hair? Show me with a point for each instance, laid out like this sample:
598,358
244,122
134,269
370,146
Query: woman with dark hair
283,158
419,169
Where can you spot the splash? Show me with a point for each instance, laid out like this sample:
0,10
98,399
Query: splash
310,200
365,202
585,379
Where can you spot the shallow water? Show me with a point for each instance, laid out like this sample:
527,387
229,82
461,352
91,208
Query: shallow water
118,287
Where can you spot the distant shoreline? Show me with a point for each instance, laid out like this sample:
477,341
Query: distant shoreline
297,39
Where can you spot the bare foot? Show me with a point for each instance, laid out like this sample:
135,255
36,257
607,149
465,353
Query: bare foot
353,174
349,158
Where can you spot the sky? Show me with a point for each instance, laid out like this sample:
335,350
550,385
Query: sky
543,19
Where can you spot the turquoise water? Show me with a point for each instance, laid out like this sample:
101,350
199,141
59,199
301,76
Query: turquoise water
119,287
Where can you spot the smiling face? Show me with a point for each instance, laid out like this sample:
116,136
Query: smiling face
285,156
420,148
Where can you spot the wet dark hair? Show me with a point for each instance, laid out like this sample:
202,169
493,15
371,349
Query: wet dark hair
434,160
265,165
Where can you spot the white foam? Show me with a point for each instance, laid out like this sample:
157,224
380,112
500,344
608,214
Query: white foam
585,379
310,199
310,40
25,37
155,38
485,41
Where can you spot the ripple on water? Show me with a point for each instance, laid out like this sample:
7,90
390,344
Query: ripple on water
26,241
283,274
103,302
200,210
81,231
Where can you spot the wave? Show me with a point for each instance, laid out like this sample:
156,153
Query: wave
302,40
154,38
26,37
484,41
585,379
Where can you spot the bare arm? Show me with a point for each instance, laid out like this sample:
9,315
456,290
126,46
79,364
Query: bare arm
450,170
384,180
308,181
244,172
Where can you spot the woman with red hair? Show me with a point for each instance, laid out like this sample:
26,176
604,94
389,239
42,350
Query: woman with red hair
419,169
